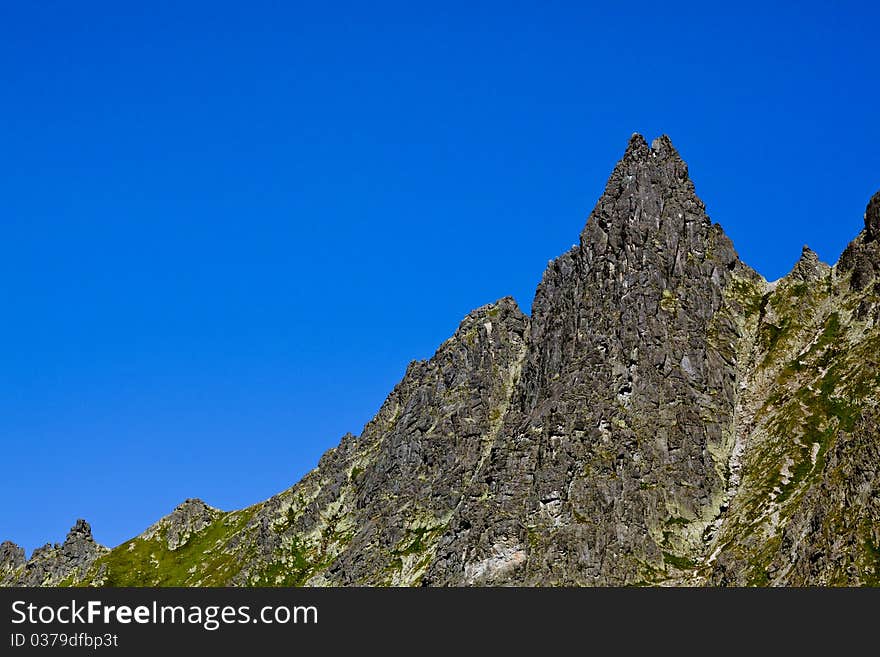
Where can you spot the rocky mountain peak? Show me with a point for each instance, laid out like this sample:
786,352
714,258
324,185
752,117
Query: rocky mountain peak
662,148
809,267
80,544
11,557
81,531
649,201
192,504
637,147
188,518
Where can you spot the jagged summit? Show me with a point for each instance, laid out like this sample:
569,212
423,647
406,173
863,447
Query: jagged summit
662,148
193,503
649,196
809,267
81,531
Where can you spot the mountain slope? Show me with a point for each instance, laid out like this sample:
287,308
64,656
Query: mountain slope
666,416
806,510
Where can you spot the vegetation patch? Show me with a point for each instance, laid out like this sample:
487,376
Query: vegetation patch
682,563
292,566
748,294
668,302
205,559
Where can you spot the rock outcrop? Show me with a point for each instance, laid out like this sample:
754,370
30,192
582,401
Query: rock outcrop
189,518
11,558
862,256
57,565
809,268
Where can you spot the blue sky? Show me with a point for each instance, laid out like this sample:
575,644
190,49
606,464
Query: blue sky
228,227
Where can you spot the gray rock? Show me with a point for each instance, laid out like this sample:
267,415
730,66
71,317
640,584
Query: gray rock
626,396
376,505
862,257
54,565
187,519
12,558
809,267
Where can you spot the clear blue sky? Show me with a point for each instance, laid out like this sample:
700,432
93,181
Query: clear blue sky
227,227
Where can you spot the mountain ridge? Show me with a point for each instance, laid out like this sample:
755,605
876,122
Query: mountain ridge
665,416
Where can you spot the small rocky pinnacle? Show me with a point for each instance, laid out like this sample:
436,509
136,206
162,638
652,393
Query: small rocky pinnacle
649,200
81,531
11,557
662,147
809,267
190,517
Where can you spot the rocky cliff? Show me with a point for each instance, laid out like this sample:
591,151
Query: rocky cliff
52,565
665,416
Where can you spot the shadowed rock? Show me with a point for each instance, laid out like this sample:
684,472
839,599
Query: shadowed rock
862,257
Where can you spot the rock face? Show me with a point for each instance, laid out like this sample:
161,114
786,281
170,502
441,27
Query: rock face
11,558
665,416
55,565
623,418
187,519
809,267
832,537
862,257
393,491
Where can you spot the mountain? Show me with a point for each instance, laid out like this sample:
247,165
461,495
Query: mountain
665,417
